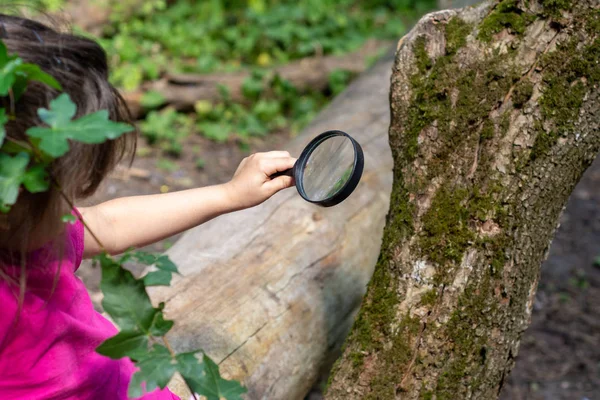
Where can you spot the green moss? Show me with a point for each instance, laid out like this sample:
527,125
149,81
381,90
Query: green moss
487,131
397,359
553,7
427,395
506,15
592,21
467,355
420,51
429,297
357,358
522,93
565,88
446,233
456,33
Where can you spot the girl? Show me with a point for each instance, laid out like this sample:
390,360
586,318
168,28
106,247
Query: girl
48,327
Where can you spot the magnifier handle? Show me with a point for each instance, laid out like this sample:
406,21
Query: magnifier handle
287,172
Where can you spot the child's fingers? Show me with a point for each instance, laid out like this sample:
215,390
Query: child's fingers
274,154
271,166
279,183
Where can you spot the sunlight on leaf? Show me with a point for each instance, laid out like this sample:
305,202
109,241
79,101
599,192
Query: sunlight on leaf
90,129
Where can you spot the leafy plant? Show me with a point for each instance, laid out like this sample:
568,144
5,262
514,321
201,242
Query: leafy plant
24,164
167,129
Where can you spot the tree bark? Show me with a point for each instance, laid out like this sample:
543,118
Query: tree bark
494,120
271,292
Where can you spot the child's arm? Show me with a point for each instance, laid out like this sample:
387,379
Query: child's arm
141,220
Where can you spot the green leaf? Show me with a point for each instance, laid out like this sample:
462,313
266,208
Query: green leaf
215,131
91,128
209,382
36,179
160,326
156,370
68,218
164,262
597,262
8,75
158,278
12,172
125,298
34,73
3,54
144,257
123,344
152,99
189,366
3,121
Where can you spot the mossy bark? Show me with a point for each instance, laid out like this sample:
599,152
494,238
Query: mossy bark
495,117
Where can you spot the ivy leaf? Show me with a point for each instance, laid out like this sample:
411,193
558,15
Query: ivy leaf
8,74
90,129
164,262
36,180
3,121
34,73
189,366
12,172
158,278
160,326
144,258
125,298
123,344
165,266
68,218
3,55
209,383
156,370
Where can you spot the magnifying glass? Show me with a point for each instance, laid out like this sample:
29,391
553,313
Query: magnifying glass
329,168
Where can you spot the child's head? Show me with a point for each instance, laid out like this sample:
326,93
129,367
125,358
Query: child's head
80,66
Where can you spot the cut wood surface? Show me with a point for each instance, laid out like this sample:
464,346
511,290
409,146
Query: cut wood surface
182,91
271,292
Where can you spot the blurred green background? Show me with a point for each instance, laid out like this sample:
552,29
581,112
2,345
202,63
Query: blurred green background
147,39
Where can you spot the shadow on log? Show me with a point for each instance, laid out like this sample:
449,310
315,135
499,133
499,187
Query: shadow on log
271,292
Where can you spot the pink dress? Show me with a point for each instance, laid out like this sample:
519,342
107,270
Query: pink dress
48,352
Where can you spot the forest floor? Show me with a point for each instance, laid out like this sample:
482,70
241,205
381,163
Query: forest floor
559,357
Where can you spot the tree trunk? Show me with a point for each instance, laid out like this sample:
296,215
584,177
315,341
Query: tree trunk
494,120
271,292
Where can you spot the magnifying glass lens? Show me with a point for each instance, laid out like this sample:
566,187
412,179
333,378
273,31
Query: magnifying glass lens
328,168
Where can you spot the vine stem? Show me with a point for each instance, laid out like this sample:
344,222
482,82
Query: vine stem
168,346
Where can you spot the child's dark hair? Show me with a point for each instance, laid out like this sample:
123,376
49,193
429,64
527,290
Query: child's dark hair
80,66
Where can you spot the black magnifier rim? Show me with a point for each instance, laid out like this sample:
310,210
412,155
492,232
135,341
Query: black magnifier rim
350,185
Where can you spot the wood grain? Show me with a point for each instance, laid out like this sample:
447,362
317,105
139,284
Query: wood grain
271,292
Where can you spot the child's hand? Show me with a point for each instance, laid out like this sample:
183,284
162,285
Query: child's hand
251,183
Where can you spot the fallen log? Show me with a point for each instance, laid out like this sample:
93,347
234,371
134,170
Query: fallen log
182,91
269,293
